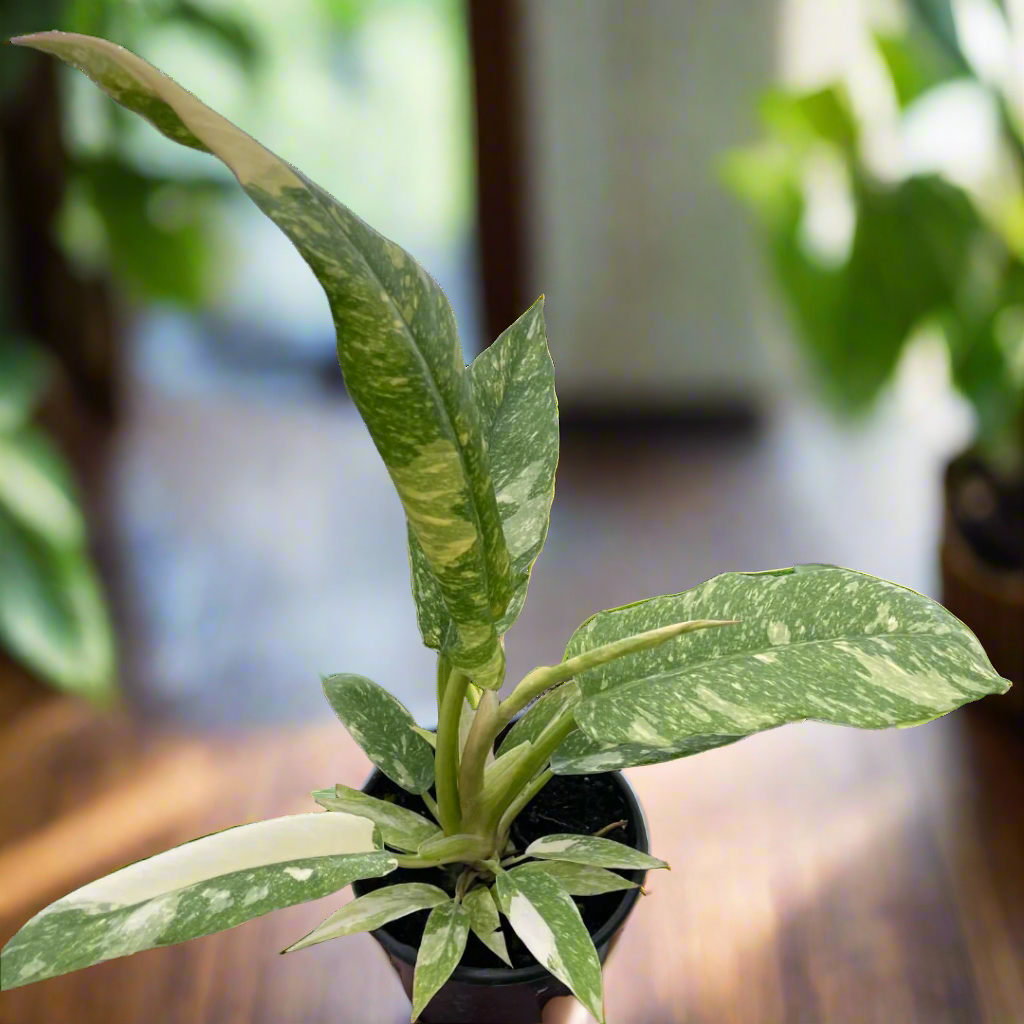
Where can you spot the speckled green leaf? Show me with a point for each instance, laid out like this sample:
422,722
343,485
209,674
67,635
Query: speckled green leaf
484,921
444,939
592,850
514,388
397,345
373,911
544,916
540,715
399,827
581,755
814,642
205,886
580,879
382,726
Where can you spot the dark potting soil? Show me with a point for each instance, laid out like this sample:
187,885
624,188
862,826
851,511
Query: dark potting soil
581,804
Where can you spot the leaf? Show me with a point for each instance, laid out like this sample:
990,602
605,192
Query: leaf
204,886
514,388
399,827
591,850
444,940
498,773
397,345
581,755
52,613
540,715
24,372
374,910
384,729
544,916
580,879
463,846
35,489
484,921
813,642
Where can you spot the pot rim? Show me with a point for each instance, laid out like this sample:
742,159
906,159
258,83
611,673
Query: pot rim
499,976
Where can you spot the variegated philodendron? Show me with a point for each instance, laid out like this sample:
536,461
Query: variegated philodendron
472,453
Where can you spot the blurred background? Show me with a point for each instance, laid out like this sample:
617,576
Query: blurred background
782,244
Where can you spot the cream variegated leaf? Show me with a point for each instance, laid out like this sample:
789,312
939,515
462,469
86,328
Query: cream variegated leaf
397,345
580,879
813,642
382,726
399,827
581,755
485,922
444,940
205,886
514,388
592,850
544,916
374,910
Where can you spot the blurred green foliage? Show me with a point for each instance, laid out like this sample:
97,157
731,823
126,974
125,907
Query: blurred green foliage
923,253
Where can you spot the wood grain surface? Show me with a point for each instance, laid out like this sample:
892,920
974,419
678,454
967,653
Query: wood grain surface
819,875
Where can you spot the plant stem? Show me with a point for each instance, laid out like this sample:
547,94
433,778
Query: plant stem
522,799
432,807
474,754
446,757
444,671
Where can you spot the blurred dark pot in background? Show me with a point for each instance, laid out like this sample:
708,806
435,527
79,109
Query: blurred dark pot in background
983,566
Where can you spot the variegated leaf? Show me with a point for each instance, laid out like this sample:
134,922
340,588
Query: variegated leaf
397,345
540,715
484,920
580,879
205,886
514,388
444,940
382,726
580,755
399,827
544,916
592,850
814,642
463,846
374,910
499,772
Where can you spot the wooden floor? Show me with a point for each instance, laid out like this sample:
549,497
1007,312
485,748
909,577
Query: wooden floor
820,876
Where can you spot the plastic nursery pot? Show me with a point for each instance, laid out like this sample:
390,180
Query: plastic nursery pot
478,994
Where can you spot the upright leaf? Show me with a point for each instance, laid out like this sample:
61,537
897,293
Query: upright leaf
514,388
374,910
444,940
382,726
592,850
205,886
399,827
397,345
484,921
813,642
544,916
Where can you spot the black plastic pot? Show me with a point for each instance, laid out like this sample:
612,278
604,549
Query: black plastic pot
503,995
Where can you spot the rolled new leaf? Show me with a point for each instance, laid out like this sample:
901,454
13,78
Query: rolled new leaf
592,850
814,642
385,730
580,879
205,886
514,389
399,827
397,345
374,910
444,939
544,916
485,922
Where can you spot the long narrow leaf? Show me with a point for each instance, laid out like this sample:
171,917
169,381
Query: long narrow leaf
591,850
485,922
399,827
205,886
444,940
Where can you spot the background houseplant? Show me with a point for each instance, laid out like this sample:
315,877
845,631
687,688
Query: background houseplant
928,254
472,453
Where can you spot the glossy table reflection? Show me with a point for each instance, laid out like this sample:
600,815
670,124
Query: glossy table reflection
819,875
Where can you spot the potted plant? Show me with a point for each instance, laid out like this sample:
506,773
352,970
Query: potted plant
926,253
512,808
